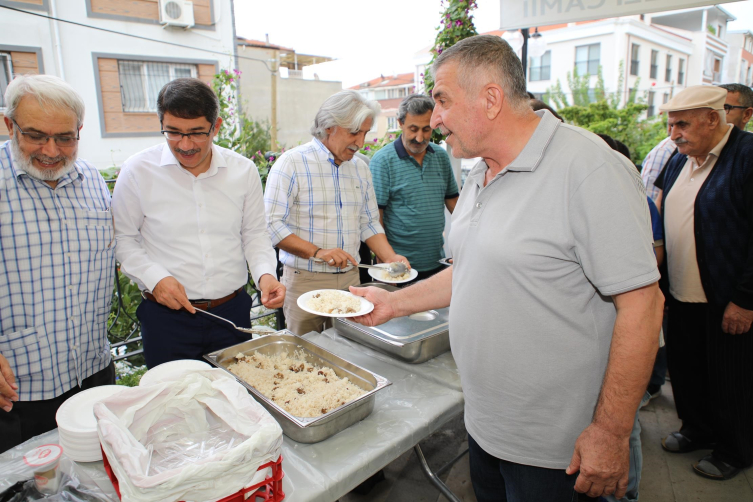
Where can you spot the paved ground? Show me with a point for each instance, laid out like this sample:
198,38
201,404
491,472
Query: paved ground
666,477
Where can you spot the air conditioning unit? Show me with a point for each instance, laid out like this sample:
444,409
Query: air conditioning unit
176,13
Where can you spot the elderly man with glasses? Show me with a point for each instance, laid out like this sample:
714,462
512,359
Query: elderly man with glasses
189,220
56,260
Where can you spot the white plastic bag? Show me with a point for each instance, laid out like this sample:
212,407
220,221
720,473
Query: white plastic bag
192,405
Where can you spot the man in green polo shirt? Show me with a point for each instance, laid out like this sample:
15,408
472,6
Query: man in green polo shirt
413,182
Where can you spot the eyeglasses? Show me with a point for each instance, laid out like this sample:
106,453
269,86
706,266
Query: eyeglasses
36,138
729,108
196,137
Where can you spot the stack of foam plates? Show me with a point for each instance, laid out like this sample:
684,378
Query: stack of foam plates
77,425
163,371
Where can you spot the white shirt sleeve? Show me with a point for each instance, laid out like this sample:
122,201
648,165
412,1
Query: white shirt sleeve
257,246
128,216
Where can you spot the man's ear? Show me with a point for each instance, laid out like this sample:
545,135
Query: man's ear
9,125
747,114
494,97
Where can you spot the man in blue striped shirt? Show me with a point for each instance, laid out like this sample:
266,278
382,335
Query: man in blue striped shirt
413,182
320,205
56,260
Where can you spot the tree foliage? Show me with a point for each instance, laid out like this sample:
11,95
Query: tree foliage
599,111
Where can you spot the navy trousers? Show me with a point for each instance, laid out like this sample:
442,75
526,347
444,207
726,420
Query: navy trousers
169,334
712,379
497,480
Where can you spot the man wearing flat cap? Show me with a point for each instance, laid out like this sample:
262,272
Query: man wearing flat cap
707,208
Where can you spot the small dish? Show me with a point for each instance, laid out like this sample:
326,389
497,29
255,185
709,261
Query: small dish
377,275
303,300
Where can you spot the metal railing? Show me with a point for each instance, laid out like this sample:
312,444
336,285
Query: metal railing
130,337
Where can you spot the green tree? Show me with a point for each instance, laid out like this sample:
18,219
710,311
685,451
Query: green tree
238,131
599,111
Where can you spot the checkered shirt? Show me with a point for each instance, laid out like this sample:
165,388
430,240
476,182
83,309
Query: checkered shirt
654,163
56,277
329,206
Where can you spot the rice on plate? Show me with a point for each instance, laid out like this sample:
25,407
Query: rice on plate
387,277
334,302
298,387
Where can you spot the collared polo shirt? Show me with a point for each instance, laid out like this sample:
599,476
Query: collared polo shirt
538,252
412,196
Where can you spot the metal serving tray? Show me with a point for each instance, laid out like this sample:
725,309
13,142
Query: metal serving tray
414,339
307,430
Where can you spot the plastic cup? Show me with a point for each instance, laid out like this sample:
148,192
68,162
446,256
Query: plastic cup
44,462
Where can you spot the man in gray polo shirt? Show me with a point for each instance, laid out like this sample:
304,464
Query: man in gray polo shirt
555,311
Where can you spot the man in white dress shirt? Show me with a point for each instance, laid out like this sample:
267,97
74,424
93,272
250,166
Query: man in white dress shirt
189,217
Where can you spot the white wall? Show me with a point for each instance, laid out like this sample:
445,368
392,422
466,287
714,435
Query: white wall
78,43
615,37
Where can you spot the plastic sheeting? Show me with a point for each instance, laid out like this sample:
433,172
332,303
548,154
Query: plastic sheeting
421,399
197,435
78,482
412,408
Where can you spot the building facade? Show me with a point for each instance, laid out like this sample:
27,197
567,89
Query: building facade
118,56
273,89
739,67
650,57
389,91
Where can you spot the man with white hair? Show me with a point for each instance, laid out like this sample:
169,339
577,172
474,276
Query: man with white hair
320,205
554,305
56,260
707,203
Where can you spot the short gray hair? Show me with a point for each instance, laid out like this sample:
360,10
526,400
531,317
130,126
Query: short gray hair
415,104
346,109
50,92
746,93
492,57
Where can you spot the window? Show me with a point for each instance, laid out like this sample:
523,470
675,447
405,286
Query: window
635,63
665,99
141,81
541,67
681,72
654,64
392,124
668,70
587,59
749,78
717,69
6,75
743,71
651,111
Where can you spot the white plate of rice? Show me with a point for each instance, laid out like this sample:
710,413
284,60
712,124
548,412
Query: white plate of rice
384,275
334,303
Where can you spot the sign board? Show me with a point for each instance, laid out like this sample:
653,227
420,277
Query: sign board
516,14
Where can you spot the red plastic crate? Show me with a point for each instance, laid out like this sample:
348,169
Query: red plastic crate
269,490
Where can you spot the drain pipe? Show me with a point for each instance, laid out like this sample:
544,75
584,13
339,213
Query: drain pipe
56,30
